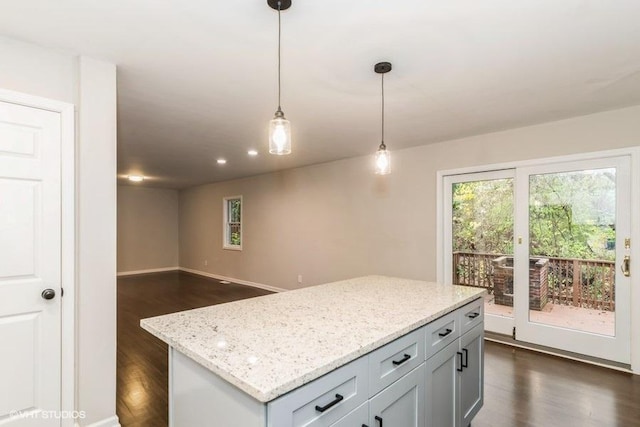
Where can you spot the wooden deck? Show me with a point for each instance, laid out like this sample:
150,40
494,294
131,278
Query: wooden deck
565,316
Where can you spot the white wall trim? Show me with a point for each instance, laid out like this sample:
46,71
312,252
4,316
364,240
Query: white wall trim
539,161
108,422
635,255
150,270
234,280
68,237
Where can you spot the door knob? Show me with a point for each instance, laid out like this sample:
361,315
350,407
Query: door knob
48,294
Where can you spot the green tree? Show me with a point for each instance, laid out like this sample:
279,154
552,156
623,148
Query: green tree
571,215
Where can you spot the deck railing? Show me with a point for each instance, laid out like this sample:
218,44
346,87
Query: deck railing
574,282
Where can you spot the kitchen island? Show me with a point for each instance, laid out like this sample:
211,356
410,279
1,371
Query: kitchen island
355,352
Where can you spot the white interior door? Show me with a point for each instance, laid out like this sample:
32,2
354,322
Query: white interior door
30,264
573,226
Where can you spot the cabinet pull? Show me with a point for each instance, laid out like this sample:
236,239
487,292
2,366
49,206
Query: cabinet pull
334,402
465,363
378,419
401,361
444,334
459,360
473,315
364,425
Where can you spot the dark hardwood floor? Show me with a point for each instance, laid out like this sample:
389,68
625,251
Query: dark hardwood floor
142,382
522,388
526,388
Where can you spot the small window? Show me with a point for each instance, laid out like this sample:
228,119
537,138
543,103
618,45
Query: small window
232,207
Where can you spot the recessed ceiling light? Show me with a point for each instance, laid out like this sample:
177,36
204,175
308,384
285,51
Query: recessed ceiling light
252,152
136,178
221,161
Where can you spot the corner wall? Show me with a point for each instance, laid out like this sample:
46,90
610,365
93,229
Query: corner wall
147,229
90,86
96,241
338,220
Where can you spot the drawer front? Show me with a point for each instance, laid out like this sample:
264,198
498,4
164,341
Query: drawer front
471,315
442,332
389,363
356,418
323,401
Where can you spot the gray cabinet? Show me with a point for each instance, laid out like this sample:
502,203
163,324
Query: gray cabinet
357,418
431,376
472,375
400,404
454,381
324,401
441,395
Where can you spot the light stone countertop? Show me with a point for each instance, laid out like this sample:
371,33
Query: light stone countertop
270,345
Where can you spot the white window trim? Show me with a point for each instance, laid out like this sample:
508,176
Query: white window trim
225,228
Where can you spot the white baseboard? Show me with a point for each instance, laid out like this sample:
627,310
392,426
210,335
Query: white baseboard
150,270
234,280
108,422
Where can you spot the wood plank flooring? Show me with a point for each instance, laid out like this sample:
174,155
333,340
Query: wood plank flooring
522,388
142,382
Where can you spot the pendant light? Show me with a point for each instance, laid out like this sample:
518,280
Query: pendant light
383,158
279,126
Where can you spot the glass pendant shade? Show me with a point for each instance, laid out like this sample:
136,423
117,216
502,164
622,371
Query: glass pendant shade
279,135
383,161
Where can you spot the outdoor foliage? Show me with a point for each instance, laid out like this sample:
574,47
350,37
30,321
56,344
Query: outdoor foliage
235,207
571,215
483,216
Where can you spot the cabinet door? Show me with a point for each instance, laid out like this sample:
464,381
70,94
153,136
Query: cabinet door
400,404
441,399
359,417
472,375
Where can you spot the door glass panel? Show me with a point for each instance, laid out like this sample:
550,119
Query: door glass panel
572,238
482,238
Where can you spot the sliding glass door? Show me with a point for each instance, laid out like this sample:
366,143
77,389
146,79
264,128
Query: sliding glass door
550,244
574,220
479,217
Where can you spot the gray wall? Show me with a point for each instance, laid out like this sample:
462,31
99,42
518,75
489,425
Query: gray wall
147,228
339,220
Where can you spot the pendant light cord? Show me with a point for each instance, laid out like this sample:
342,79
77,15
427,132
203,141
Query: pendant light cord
279,43
382,145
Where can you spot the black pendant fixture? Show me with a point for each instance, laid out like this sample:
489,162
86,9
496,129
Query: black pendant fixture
279,126
383,158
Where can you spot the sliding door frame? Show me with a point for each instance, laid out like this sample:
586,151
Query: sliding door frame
493,323
632,152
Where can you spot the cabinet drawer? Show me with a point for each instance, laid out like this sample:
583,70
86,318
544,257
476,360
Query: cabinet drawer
323,401
387,364
356,418
442,332
471,315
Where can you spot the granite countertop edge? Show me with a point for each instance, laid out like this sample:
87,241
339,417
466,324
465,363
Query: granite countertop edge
266,395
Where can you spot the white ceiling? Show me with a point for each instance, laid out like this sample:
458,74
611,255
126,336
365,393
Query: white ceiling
197,79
